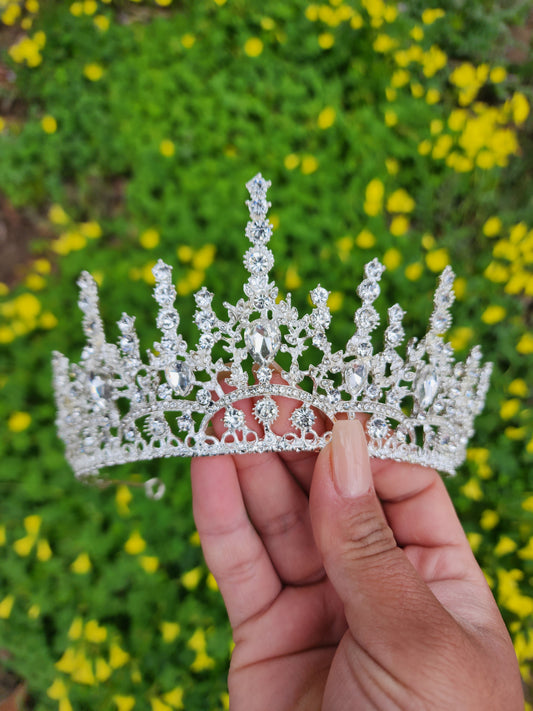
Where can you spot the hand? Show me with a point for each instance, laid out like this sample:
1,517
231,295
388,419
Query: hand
340,600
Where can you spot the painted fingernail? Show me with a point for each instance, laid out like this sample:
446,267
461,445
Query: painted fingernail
350,463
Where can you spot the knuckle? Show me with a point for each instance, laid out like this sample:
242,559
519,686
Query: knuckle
369,536
281,524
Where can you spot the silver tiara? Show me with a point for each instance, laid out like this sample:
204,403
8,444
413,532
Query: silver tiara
113,407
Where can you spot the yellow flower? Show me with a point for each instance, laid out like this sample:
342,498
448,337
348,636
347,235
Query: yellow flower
123,496
135,544
417,33
442,147
68,661
335,300
18,421
525,344
204,257
34,612
392,258
292,278
57,215
497,75
253,47
32,524
424,147
489,520
174,698
44,552
391,118
6,605
210,582
35,282
93,71
526,553
291,161
76,628
414,271
124,703
356,22
472,490
191,579
399,225
94,632
400,201
76,9
520,108
169,631
158,705
326,117
197,642
185,253
365,239
430,15
102,22
384,43
509,409
460,337
493,314
102,670
90,7
57,690
194,538
392,166
188,40
474,539
117,656
81,565
504,546
202,662
2,535
309,165
167,148
83,673
497,273
149,238
326,40
492,227
24,545
432,96
150,563
49,124
518,387
437,259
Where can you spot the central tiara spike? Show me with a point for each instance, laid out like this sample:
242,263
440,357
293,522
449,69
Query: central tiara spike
420,406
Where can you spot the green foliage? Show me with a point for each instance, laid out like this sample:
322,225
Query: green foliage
325,124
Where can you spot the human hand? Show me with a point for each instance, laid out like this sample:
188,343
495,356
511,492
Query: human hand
349,584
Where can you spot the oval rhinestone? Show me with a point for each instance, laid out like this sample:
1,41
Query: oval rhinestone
263,340
426,388
354,378
179,376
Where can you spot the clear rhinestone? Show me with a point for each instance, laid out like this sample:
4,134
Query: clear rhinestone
373,392
185,422
164,294
394,335
203,298
259,231
303,418
355,377
180,378
368,290
396,313
206,341
264,374
100,390
426,387
263,340
88,444
374,269
319,296
438,407
167,320
127,344
258,184
126,323
366,318
258,260
319,340
321,318
205,320
441,322
129,434
162,271
169,344
164,391
233,419
87,353
157,425
258,206
203,397
333,396
266,411
364,349
377,427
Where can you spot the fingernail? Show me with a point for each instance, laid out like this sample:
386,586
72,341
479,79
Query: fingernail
351,467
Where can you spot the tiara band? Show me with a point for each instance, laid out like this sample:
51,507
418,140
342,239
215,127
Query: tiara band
114,408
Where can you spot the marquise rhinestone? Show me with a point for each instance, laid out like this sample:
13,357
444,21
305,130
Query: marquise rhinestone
263,340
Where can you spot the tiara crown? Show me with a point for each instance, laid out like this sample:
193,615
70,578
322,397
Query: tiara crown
113,407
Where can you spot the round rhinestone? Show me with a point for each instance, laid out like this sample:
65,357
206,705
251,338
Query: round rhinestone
264,374
203,298
125,324
258,260
321,318
366,318
205,320
374,269
157,425
394,335
184,422
319,296
303,418
377,428
164,391
233,419
203,397
364,349
127,344
368,290
206,341
259,231
164,294
162,271
266,411
167,320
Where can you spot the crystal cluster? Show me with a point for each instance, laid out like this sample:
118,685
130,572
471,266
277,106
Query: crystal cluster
115,407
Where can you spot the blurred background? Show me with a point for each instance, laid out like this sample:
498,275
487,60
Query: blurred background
127,132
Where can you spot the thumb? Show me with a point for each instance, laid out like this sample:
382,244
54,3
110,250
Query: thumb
385,600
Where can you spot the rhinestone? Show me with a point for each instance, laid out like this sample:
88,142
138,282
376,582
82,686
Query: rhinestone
333,396
396,313
88,444
394,335
206,341
100,390
321,318
205,320
259,231
374,269
264,374
184,422
162,271
441,323
127,344
426,387
258,207
126,323
354,378
364,349
157,425
87,353
303,418
263,340
203,397
266,411
368,290
164,294
164,391
366,318
373,392
400,435
129,435
167,320
319,296
169,344
377,428
203,298
258,260
233,419
180,378
319,340
438,407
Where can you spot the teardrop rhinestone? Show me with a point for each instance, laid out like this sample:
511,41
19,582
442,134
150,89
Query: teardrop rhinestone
263,340
426,388
179,377
354,378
